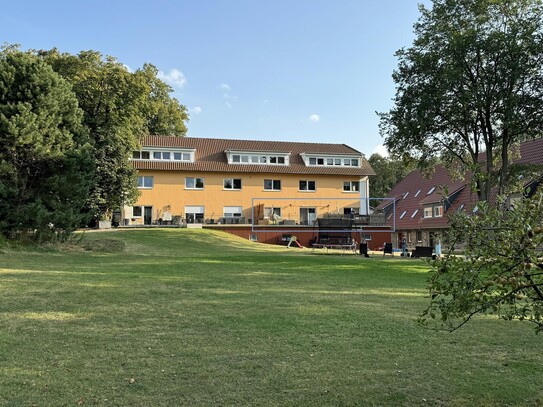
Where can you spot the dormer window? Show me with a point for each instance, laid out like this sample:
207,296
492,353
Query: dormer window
322,160
171,154
271,158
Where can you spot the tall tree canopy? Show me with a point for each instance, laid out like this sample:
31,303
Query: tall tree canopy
45,165
471,83
390,173
120,107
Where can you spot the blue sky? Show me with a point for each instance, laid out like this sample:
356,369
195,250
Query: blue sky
295,70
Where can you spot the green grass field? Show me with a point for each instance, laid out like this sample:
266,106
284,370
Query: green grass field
193,317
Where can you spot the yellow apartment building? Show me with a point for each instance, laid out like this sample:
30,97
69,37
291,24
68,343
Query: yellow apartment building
200,180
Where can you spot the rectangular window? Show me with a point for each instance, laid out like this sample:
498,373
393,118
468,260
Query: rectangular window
419,236
145,182
136,211
273,160
308,186
236,158
272,213
244,158
272,184
140,155
232,211
254,159
337,161
329,161
177,156
312,161
232,183
194,183
354,162
157,155
320,161
428,212
351,186
280,160
347,162
438,211
166,155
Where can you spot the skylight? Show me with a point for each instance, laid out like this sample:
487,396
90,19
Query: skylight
416,211
431,190
417,194
403,214
405,195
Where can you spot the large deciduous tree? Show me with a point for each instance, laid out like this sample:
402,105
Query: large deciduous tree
501,271
390,173
470,85
120,107
45,165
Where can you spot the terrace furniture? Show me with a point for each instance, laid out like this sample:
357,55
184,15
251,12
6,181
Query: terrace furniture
422,251
388,249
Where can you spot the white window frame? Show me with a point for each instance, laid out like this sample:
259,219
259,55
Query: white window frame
257,157
232,211
195,181
268,211
141,211
307,185
273,181
186,155
428,210
351,183
438,211
323,160
232,188
143,178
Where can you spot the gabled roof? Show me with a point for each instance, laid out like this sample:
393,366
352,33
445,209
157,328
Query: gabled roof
432,192
210,156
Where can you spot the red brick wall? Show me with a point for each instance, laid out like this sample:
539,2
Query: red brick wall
267,234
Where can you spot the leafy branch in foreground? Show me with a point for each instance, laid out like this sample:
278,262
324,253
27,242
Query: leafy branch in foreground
501,269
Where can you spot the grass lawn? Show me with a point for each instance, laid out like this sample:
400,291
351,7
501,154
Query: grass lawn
193,317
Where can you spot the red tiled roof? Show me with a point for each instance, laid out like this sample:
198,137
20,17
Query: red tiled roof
415,182
530,152
210,156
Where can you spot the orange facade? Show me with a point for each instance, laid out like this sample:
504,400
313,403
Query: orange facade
206,197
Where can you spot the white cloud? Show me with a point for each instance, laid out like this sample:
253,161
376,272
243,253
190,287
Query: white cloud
229,105
314,118
225,87
381,150
128,68
174,78
196,110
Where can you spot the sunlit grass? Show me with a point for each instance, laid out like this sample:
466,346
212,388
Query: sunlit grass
195,317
